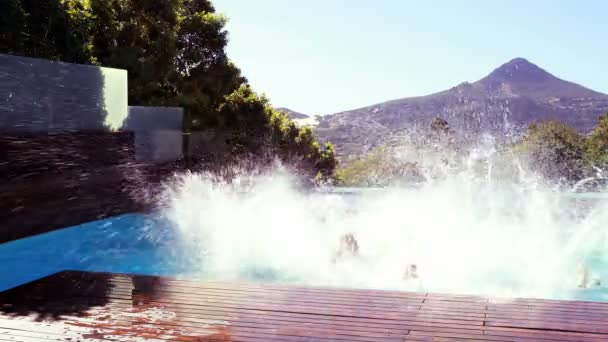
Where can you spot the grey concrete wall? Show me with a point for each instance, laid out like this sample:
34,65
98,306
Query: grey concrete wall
158,133
72,151
69,150
40,96
154,118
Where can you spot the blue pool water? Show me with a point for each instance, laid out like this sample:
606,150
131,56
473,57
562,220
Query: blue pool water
133,243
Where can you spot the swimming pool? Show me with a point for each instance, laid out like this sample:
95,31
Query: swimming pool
291,240
132,243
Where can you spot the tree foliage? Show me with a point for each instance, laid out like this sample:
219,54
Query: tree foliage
555,149
597,144
560,152
244,111
174,53
439,125
379,168
51,29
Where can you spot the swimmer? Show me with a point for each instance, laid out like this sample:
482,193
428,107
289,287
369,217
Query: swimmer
582,276
348,247
411,272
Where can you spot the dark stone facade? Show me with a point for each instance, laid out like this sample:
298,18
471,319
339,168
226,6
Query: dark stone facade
57,181
64,159
30,156
54,181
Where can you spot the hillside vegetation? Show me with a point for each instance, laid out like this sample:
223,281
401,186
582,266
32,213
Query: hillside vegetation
550,149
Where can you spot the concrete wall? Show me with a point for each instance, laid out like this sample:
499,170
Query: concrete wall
71,150
158,133
40,96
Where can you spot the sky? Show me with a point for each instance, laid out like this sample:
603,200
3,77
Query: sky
326,56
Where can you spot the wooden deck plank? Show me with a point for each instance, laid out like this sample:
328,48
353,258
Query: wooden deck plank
543,334
278,287
166,332
215,312
263,292
402,324
110,307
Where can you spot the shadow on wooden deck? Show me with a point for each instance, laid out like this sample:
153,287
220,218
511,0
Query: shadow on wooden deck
99,307
56,296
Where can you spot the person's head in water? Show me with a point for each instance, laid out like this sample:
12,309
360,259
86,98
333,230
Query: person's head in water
349,243
582,275
411,272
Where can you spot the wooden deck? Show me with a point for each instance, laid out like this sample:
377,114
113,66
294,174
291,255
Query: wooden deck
76,306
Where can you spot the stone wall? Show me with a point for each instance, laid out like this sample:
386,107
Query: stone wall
71,151
26,156
54,181
40,96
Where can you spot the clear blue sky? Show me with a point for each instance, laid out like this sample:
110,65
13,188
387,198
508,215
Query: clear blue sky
324,56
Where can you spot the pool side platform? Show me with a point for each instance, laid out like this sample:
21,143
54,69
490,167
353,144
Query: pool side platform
80,306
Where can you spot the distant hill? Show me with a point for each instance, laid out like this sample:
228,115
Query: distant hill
508,99
292,114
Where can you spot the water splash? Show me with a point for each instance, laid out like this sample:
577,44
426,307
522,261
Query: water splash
467,232
591,183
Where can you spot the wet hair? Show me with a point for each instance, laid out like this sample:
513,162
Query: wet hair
411,271
350,241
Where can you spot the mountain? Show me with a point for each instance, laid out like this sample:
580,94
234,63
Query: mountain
507,100
292,114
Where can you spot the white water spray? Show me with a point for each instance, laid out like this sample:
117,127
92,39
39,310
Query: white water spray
466,234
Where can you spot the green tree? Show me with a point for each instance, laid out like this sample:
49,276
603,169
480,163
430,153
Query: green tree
597,144
379,168
173,50
174,53
439,125
256,127
52,29
556,150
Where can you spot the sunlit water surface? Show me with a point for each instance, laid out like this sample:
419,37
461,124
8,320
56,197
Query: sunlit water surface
465,237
